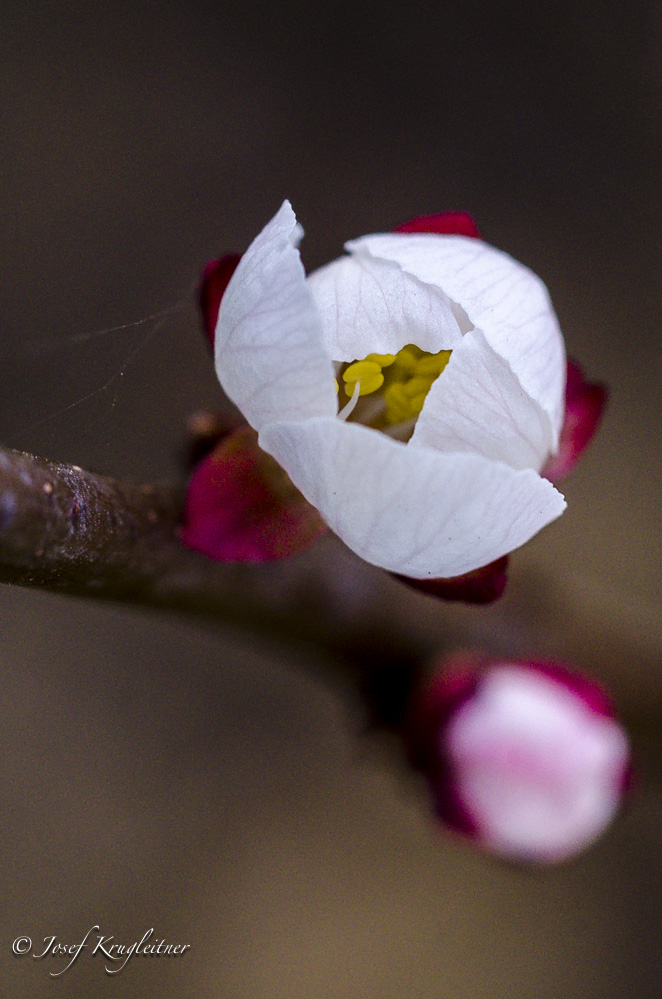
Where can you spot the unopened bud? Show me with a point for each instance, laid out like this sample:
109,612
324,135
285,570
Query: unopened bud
526,758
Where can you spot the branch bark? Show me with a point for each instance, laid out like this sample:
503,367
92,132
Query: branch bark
72,531
66,529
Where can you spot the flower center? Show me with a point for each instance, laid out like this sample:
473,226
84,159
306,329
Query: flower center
387,391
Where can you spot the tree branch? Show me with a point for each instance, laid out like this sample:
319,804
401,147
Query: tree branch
72,531
66,529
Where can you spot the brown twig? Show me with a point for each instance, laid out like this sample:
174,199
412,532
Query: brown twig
66,529
72,531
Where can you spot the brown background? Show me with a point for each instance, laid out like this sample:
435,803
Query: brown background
161,773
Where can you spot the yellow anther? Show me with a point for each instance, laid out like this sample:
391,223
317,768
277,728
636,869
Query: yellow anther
398,404
383,360
406,360
416,386
416,403
367,373
433,364
410,376
337,386
361,369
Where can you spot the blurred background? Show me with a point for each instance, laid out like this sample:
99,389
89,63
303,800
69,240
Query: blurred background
158,772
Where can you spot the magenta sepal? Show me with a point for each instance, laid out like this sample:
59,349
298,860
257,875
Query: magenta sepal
481,586
215,279
585,403
443,224
429,713
241,507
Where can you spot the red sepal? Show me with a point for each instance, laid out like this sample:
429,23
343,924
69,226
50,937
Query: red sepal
584,406
215,279
430,710
444,224
481,586
241,506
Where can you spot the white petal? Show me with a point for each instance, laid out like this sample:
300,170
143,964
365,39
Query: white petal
477,406
372,306
500,296
409,509
269,353
540,773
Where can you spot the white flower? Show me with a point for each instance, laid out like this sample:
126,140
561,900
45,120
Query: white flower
465,488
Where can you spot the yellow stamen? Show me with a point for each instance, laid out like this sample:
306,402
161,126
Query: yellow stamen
348,408
416,402
433,364
383,360
398,405
416,385
404,379
368,373
405,360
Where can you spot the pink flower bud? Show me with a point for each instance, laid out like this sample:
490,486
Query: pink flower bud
526,758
